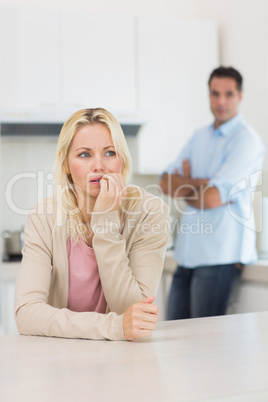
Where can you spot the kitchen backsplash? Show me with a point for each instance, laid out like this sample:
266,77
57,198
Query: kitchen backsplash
27,167
27,177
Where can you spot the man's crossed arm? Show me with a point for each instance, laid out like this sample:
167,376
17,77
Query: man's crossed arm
195,192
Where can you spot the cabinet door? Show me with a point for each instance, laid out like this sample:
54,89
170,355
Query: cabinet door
98,60
29,68
7,308
250,297
175,60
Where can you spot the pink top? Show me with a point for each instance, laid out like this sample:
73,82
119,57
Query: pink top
85,291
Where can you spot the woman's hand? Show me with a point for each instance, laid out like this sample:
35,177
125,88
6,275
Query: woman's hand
112,192
140,319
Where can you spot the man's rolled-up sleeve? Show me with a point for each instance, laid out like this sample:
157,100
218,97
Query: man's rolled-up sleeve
241,168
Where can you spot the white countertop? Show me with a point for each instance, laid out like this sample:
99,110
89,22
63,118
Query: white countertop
218,358
257,272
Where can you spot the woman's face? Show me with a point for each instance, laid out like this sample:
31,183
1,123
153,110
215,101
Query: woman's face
91,155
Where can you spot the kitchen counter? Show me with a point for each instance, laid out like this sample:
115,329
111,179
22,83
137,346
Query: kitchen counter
218,358
257,272
250,294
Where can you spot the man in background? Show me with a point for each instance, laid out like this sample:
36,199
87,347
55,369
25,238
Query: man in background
215,173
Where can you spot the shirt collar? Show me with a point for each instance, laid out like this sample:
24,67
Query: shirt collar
227,128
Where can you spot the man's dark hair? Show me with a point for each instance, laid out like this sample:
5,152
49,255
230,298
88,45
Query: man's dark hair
227,72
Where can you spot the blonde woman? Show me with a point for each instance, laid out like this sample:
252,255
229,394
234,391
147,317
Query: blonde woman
93,255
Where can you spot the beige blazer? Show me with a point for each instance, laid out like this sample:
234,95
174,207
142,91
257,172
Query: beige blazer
130,262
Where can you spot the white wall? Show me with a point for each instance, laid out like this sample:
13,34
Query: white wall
27,166
243,28
175,8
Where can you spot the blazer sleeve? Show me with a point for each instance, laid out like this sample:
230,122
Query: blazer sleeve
33,312
131,272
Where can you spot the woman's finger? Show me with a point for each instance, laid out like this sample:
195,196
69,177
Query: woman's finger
112,183
148,325
104,185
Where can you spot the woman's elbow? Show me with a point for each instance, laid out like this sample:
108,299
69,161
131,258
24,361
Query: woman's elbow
21,321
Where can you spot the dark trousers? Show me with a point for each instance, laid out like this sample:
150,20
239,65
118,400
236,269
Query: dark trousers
202,291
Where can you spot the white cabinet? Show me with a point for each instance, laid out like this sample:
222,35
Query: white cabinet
29,68
73,59
8,275
66,58
98,60
250,297
251,292
175,60
8,320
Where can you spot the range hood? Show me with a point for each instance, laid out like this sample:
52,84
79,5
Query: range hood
48,122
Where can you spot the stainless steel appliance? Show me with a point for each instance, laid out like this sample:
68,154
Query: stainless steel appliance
12,245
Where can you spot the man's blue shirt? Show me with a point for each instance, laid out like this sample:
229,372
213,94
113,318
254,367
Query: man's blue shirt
231,157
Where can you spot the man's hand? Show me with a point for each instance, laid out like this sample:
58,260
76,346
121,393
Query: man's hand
186,168
194,191
177,185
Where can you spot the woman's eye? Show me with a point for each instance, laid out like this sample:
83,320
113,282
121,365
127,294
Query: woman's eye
84,155
110,153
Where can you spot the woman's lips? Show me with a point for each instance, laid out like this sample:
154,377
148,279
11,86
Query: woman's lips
95,179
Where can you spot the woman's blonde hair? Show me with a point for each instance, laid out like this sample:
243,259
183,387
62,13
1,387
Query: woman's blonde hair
63,179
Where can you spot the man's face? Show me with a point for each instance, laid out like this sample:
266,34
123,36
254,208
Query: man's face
224,99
